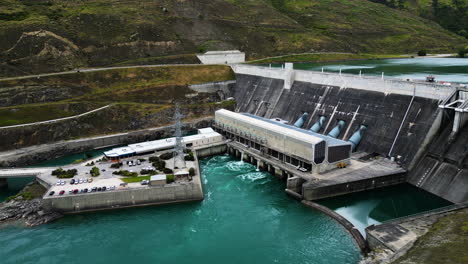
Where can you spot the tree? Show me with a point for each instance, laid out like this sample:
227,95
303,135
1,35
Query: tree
94,171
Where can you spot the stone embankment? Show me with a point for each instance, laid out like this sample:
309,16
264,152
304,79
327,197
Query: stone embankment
30,212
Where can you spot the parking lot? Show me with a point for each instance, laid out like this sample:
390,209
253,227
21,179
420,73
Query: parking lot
96,183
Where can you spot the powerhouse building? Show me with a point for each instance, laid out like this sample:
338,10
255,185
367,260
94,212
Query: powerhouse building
301,148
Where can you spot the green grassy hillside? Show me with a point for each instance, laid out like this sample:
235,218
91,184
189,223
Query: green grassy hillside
136,92
450,14
41,36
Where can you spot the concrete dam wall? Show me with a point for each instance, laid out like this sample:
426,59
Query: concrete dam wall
397,124
444,168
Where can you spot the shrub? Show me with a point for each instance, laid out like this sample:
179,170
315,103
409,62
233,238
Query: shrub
154,159
160,165
142,160
167,170
422,52
61,173
167,156
170,178
94,171
77,161
90,163
189,157
191,172
462,53
125,173
145,172
116,165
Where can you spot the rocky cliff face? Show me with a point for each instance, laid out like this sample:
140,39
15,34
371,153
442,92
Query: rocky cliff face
43,51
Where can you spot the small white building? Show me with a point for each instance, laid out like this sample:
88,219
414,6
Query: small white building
205,136
158,180
222,57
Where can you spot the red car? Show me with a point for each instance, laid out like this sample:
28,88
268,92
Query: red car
61,192
75,191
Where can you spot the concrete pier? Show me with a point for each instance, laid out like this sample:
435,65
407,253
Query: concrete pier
3,183
359,176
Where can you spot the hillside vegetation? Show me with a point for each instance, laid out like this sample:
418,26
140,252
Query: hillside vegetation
42,36
450,14
136,92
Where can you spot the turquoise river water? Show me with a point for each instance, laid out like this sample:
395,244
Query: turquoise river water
444,69
245,218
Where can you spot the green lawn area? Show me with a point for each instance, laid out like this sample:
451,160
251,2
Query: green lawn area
135,179
325,57
446,242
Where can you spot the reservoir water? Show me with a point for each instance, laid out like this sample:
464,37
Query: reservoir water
444,69
245,218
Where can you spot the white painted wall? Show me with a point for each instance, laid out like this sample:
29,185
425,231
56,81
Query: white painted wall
222,57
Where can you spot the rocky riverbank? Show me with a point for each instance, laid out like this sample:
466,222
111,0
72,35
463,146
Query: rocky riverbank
30,212
27,207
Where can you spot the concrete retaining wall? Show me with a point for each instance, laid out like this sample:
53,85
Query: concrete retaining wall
361,242
209,151
332,190
223,89
222,57
175,192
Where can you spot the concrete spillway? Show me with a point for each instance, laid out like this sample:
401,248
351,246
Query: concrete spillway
444,168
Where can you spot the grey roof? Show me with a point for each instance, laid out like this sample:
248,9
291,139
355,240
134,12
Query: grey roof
330,141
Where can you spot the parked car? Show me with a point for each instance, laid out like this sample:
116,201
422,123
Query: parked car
85,190
112,188
72,181
51,193
75,191
94,189
138,162
144,182
104,188
99,189
90,180
64,182
70,191
61,192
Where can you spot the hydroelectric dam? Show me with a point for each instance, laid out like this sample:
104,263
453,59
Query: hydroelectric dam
419,129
